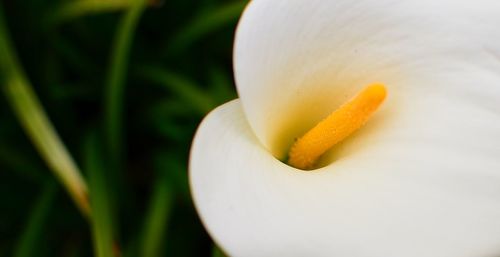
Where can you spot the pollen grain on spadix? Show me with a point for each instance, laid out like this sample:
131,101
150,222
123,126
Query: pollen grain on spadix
336,127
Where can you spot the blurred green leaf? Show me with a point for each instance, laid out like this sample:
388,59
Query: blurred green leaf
21,164
70,54
171,107
217,252
102,222
222,86
176,172
35,122
75,9
180,86
143,204
157,217
34,229
115,83
204,24
162,116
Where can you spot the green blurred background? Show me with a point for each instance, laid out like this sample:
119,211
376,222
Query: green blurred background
124,84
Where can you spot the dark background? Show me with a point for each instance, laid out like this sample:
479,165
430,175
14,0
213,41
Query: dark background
177,69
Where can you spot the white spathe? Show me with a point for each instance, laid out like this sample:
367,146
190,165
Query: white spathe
421,179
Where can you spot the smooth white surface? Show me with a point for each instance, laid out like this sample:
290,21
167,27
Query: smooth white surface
421,179
414,192
296,61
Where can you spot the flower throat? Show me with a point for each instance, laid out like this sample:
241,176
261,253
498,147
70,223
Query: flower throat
344,121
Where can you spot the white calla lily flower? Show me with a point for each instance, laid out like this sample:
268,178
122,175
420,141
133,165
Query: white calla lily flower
422,178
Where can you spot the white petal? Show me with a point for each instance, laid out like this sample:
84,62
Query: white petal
296,61
423,184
